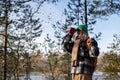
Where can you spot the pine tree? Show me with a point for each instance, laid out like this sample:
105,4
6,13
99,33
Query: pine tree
19,27
111,60
89,11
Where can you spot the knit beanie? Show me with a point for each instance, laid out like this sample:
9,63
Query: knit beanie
83,27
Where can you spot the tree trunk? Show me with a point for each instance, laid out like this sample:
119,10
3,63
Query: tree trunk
85,12
78,12
5,47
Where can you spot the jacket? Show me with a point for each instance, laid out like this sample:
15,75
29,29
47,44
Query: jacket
85,57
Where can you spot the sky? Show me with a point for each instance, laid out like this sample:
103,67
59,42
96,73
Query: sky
107,27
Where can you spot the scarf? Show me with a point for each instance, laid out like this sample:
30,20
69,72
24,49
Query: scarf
77,41
75,52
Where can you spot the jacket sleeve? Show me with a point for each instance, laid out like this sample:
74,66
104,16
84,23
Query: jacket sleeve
94,50
67,44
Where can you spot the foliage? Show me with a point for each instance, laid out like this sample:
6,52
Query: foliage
19,26
59,65
110,61
96,9
115,46
23,27
65,61
53,65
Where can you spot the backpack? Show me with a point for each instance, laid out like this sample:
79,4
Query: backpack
93,50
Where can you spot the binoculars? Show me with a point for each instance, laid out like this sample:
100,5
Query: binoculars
72,31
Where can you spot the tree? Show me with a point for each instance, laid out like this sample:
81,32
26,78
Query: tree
115,46
20,29
111,60
110,63
65,61
53,63
89,11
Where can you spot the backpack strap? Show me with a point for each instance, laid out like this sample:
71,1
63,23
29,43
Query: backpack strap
88,41
96,52
92,47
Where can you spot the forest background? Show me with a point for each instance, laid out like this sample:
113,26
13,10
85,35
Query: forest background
31,33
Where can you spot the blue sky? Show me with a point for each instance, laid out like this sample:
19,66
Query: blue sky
107,27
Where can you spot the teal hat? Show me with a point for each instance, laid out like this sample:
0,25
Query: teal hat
83,27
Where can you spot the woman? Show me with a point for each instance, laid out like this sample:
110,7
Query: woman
83,51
